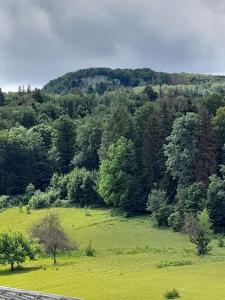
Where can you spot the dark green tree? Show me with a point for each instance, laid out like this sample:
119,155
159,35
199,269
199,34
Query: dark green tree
159,207
181,149
119,183
216,201
81,188
88,139
64,142
2,98
118,123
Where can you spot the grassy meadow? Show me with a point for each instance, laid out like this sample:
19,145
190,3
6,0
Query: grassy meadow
133,260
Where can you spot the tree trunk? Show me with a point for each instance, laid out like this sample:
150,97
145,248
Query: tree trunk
54,259
12,266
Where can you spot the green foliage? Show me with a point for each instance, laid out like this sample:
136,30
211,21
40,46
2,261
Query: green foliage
63,143
173,125
172,294
29,192
15,248
176,220
206,149
81,188
211,103
199,230
4,201
216,201
90,251
119,183
158,206
118,123
192,199
43,199
104,79
2,98
149,93
88,140
180,150
220,241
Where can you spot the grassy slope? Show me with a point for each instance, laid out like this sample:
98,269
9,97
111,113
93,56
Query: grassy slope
128,251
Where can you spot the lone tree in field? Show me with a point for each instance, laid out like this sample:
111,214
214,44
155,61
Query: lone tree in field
15,248
51,235
199,230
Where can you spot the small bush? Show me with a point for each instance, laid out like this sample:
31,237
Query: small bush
28,209
4,201
220,241
171,294
90,251
87,211
116,212
20,207
39,200
159,207
176,221
61,203
164,264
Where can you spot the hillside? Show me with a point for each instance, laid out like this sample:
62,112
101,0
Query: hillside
101,79
133,260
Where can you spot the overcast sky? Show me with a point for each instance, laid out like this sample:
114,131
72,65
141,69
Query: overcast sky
43,39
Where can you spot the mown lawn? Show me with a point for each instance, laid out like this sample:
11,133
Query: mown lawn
133,260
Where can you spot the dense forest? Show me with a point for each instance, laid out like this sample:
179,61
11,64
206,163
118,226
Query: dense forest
137,141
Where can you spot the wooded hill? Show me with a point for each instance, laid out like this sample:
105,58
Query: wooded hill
105,79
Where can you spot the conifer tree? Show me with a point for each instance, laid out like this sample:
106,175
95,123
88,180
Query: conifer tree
206,152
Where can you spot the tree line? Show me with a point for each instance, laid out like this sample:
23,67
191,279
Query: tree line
130,149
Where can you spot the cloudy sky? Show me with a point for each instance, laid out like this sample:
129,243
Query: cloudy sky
43,39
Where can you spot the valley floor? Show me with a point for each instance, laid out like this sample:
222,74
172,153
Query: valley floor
133,260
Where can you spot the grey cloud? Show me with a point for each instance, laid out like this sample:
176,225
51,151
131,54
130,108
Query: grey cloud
42,39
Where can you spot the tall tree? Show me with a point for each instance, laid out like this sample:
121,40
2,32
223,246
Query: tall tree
119,183
64,142
181,149
219,125
88,139
118,123
216,200
206,149
2,98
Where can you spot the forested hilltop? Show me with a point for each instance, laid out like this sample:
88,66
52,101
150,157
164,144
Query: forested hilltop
100,80
134,140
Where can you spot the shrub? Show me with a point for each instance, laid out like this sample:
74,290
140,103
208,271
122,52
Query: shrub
28,209
176,263
4,201
81,188
39,200
43,199
29,192
61,203
90,251
176,221
220,241
199,231
171,294
157,204
87,211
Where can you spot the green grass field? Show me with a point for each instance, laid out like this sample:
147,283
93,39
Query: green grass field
133,260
